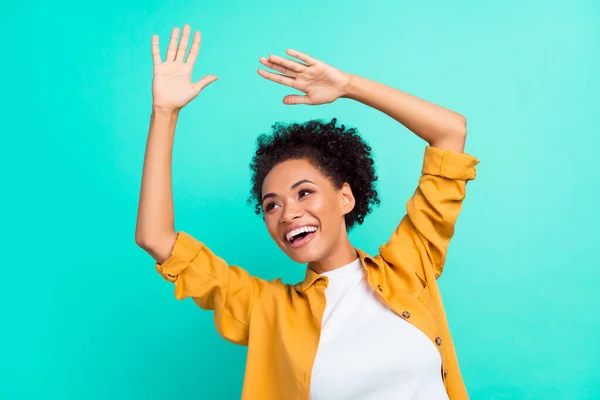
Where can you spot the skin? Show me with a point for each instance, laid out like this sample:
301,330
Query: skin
320,83
317,203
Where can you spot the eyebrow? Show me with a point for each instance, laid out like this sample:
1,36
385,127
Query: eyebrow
295,185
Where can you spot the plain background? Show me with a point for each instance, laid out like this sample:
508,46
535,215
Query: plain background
86,316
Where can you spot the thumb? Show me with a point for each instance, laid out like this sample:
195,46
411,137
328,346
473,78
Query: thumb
293,99
204,82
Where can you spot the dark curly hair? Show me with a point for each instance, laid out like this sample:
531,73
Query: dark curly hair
338,152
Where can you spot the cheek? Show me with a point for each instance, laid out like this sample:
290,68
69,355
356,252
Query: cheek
271,225
324,207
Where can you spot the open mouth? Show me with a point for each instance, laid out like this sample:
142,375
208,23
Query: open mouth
301,236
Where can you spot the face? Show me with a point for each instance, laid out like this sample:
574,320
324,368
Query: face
303,211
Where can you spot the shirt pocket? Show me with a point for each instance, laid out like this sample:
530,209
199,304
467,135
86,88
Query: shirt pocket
424,296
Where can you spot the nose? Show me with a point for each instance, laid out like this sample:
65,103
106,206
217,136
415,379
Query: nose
290,213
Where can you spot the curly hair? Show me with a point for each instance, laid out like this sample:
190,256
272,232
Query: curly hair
339,153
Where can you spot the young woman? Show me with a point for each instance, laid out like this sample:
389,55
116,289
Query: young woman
358,326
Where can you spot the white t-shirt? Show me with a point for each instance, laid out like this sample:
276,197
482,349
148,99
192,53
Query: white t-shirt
367,351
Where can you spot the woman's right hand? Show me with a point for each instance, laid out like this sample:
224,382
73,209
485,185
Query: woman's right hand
172,86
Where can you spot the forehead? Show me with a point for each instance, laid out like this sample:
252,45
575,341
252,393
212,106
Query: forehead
286,173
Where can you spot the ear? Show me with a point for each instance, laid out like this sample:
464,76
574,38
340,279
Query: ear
347,198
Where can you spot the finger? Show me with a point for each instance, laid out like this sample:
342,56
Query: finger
204,82
301,56
276,67
155,50
193,54
284,80
183,44
172,49
294,99
289,64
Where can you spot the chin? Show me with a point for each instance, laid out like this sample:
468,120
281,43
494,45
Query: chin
302,255
302,258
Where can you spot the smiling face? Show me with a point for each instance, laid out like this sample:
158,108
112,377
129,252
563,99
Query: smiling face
304,212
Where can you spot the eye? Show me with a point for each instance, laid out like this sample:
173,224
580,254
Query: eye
307,191
269,206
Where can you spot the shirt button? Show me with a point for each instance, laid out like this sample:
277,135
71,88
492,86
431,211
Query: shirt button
445,373
379,287
406,314
438,341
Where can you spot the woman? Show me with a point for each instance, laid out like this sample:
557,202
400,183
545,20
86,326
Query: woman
357,326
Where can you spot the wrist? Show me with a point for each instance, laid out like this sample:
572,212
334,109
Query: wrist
349,88
165,112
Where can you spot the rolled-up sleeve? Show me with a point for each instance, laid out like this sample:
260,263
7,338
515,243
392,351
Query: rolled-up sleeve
432,211
213,285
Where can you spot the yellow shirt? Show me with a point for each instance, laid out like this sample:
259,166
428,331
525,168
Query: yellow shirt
280,323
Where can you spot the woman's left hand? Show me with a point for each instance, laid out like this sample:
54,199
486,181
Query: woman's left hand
322,83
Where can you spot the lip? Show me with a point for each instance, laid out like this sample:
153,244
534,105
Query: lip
291,228
304,241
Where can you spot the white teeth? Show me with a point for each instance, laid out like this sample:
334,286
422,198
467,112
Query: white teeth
300,230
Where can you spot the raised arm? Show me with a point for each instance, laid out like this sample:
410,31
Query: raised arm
172,89
181,259
323,83
422,237
436,125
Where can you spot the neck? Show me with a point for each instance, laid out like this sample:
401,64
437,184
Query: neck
343,253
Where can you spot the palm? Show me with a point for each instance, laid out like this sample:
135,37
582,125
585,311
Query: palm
172,86
320,82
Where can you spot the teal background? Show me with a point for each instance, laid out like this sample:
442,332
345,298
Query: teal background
85,315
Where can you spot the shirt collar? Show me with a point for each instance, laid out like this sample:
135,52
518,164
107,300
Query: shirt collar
311,276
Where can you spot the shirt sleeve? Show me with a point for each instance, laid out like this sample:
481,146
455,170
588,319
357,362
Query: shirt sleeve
213,285
433,209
